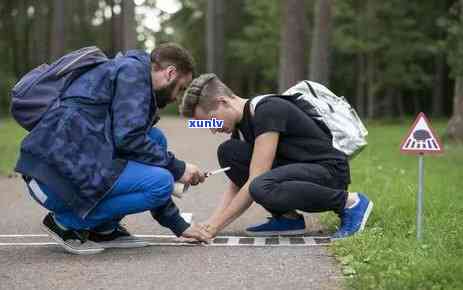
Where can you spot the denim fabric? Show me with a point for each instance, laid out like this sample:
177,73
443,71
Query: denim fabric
139,188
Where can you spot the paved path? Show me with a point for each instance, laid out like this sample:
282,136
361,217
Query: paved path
160,267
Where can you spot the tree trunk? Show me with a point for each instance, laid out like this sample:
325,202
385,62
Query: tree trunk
128,30
215,44
85,23
21,27
440,66
360,89
400,105
35,33
116,30
389,102
416,104
57,36
438,86
455,125
371,82
292,43
320,52
14,39
370,63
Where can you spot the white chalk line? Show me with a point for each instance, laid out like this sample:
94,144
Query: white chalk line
167,236
45,236
181,245
231,241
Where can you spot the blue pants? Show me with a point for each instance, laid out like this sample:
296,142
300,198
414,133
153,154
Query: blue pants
139,188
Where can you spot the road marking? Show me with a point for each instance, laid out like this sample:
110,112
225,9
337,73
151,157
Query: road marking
284,241
25,236
259,241
232,241
309,240
220,241
28,244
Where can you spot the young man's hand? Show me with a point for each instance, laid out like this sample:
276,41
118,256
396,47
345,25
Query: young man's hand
192,175
196,232
209,231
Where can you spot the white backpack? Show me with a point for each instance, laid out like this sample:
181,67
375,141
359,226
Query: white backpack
348,132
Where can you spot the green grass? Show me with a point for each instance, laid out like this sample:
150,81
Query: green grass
10,138
387,255
170,110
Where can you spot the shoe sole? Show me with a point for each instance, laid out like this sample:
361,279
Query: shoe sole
276,233
72,250
123,245
366,216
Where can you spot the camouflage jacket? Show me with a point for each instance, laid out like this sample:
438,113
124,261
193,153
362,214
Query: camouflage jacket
80,148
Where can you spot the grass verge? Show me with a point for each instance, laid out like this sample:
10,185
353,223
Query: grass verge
11,135
387,255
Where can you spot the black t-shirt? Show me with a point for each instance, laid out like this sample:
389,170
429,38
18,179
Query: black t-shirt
301,139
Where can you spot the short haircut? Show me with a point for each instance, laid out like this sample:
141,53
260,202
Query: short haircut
203,91
172,54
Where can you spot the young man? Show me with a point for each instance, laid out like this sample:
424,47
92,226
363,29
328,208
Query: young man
97,158
279,158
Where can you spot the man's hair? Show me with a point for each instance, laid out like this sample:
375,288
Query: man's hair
203,91
172,54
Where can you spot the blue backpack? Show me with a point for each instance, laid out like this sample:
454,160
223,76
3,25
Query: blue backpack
40,90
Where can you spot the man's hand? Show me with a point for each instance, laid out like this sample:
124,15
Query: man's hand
197,232
192,175
209,231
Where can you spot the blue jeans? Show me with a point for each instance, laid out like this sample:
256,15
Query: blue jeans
139,188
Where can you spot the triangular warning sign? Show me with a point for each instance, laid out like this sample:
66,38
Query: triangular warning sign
421,138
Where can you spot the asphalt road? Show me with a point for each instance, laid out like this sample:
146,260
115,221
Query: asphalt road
161,267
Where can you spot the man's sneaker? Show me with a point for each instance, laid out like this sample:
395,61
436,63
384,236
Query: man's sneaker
73,241
353,220
278,226
118,238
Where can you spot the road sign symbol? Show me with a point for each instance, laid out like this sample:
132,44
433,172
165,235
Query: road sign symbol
421,138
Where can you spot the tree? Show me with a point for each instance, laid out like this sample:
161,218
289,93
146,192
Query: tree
319,66
292,43
38,14
392,46
255,48
215,43
455,125
116,27
57,41
441,73
128,30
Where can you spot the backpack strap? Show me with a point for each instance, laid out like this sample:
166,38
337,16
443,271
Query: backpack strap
311,89
93,54
255,101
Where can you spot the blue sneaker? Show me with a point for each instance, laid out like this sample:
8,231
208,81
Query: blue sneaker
353,220
278,226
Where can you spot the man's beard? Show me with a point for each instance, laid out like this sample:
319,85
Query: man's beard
163,95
